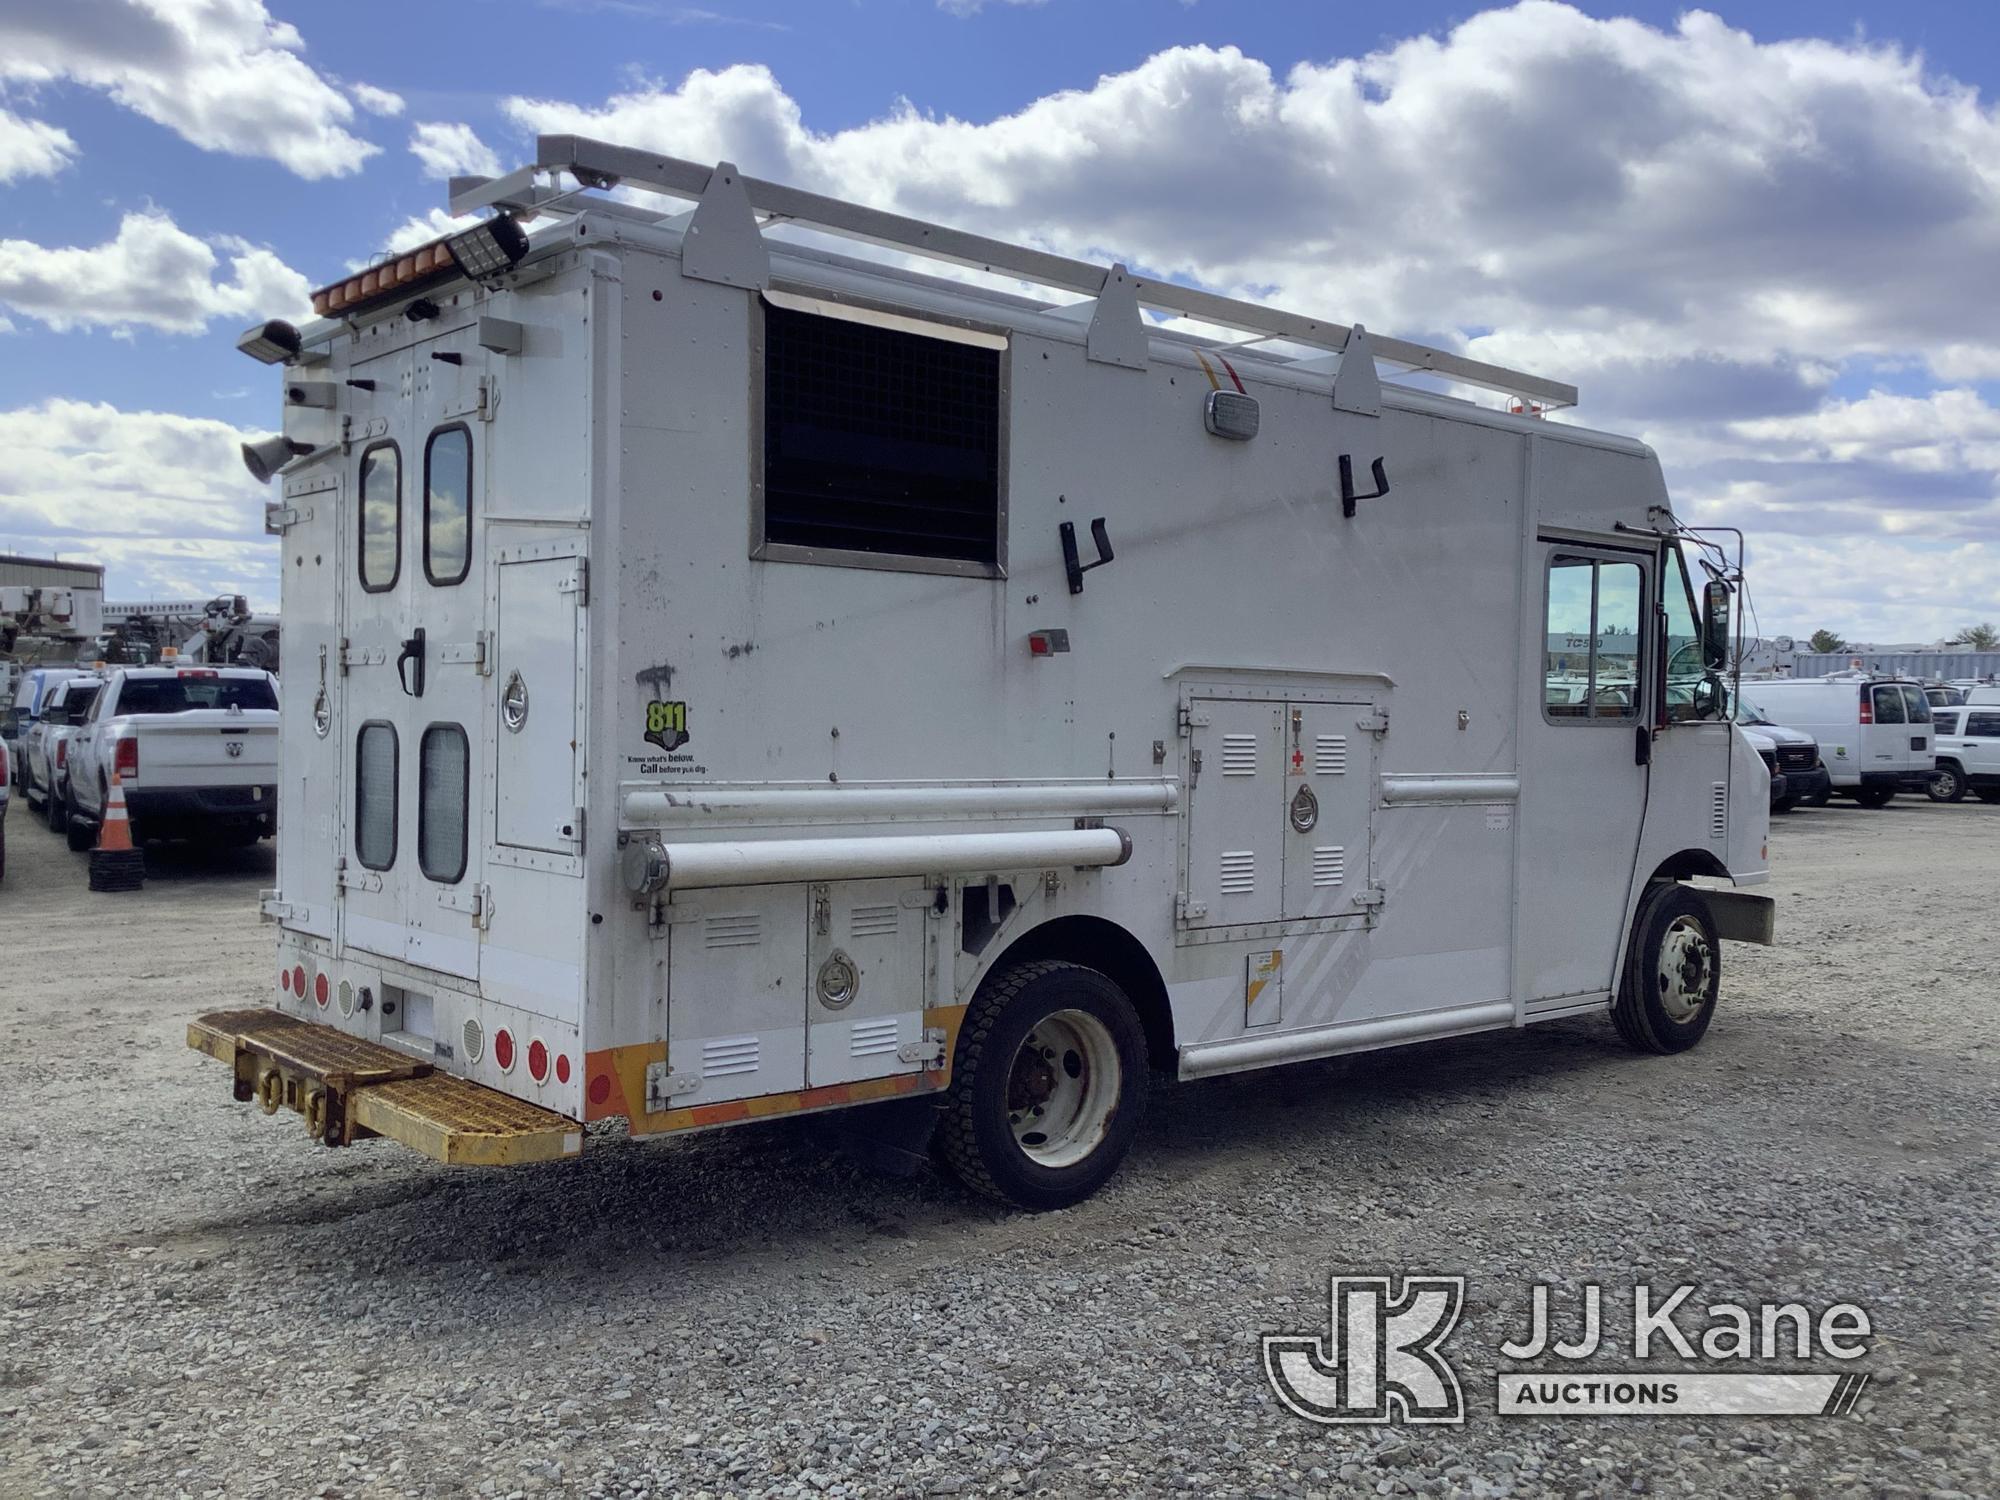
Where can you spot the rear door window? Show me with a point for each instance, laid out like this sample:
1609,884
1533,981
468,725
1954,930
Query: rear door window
1919,705
381,517
375,795
1889,706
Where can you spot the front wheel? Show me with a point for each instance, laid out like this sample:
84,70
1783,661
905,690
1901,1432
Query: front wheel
1673,971
1048,1082
1947,784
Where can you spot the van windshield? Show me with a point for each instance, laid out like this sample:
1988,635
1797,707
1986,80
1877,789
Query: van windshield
179,695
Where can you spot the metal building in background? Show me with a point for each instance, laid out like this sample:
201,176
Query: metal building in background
49,573
1925,666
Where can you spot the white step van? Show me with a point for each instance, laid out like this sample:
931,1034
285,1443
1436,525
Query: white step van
1874,732
733,679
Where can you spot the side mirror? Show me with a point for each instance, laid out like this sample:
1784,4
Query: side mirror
1715,626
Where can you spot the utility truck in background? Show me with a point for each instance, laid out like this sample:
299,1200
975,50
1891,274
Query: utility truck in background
730,679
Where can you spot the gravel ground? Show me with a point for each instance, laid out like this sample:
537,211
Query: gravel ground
196,1300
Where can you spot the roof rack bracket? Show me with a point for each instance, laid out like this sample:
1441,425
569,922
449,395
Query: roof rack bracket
1356,387
1117,330
722,242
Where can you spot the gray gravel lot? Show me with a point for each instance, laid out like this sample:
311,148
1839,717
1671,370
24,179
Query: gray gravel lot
196,1300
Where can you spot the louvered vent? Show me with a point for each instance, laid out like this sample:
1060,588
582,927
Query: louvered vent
1239,755
1718,815
873,921
1329,866
733,930
1239,872
1330,755
872,1038
877,440
725,1055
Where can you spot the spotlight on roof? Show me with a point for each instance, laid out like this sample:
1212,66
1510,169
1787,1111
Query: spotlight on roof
488,248
273,342
272,454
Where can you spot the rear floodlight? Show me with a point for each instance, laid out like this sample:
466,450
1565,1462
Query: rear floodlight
272,454
488,249
273,342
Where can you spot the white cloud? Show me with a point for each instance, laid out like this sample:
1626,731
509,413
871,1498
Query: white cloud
222,74
376,101
452,150
152,274
163,499
31,148
1701,230
973,7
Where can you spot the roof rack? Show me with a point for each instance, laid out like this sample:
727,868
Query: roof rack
727,204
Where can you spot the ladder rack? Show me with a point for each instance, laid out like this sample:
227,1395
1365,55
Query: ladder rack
722,195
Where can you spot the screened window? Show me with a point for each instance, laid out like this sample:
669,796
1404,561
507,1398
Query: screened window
381,495
444,764
448,505
880,443
375,795
1592,667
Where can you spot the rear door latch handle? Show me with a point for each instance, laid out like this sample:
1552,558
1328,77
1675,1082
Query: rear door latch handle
413,651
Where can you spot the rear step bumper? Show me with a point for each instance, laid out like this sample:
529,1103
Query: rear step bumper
348,1089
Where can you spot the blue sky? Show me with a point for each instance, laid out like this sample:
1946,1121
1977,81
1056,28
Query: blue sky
1759,237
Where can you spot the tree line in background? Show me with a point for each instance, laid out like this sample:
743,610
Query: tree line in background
1980,637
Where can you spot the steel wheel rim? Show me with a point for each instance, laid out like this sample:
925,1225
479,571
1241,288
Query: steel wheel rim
1687,963
1062,1088
1944,782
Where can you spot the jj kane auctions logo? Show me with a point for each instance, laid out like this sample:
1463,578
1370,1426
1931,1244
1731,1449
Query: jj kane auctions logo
1382,1358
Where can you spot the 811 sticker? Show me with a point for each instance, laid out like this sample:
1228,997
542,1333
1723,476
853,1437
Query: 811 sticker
667,723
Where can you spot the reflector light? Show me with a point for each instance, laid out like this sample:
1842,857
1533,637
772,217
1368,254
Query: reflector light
503,1050
299,980
321,990
538,1061
600,1088
285,980
562,1067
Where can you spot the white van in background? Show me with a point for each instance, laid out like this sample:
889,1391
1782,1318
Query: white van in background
1874,733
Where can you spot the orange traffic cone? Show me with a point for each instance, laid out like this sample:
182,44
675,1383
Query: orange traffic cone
115,864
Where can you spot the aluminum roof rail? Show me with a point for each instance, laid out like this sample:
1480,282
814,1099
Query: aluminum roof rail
598,165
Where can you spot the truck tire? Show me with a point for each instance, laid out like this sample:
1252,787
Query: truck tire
1947,783
1874,796
1673,971
1988,793
1048,1083
3,844
56,810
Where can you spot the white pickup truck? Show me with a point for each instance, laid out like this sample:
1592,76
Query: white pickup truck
195,748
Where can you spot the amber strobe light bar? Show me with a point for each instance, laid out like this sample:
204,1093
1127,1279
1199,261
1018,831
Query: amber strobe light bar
480,253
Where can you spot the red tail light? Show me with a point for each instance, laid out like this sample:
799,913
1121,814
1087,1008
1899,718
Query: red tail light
62,754
538,1060
126,760
503,1050
1867,708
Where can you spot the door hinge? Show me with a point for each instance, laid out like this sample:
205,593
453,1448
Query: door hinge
489,398
1188,910
1376,723
367,656
278,516
361,880
475,653
346,433
1189,720
929,1051
572,828
273,907
822,901
578,582
476,902
1371,899
663,1085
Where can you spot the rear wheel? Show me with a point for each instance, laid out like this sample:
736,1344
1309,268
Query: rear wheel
1947,783
1673,971
1048,1082
1874,796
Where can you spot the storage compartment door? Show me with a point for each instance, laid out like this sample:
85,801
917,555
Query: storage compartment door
1329,772
735,967
865,979
1234,871
537,661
